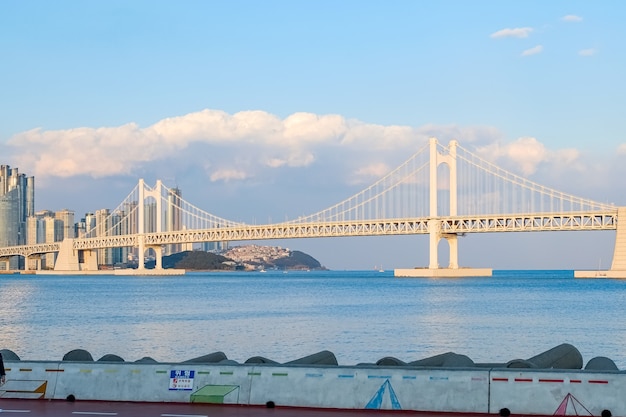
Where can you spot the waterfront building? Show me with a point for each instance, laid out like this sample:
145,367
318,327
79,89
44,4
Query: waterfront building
102,225
67,218
36,233
150,217
17,203
119,227
90,225
31,239
215,247
131,214
53,233
80,228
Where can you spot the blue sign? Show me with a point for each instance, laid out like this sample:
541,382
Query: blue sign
181,380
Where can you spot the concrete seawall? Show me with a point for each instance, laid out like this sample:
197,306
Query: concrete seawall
444,383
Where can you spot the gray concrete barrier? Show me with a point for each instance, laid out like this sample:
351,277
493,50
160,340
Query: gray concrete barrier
434,389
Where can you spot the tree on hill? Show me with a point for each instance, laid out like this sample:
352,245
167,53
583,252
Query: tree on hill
196,260
297,260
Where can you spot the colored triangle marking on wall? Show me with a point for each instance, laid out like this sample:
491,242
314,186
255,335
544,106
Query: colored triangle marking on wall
376,402
570,406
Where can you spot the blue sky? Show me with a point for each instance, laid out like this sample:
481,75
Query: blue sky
96,94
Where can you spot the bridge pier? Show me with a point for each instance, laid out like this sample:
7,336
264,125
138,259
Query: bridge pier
453,244
434,228
141,249
158,256
618,266
435,236
141,255
29,258
70,259
619,252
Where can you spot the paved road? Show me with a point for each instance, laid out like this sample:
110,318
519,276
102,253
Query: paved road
57,408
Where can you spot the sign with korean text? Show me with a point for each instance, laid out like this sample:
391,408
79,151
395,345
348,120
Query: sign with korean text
181,380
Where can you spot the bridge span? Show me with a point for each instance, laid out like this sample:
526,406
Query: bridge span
444,192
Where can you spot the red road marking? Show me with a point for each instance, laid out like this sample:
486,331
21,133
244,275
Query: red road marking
183,415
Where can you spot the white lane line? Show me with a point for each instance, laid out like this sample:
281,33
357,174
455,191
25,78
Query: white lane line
14,411
183,415
94,413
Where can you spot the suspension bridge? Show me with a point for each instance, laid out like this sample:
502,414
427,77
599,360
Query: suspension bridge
442,191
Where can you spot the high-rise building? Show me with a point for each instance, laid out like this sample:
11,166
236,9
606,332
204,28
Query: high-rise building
43,227
17,202
36,233
67,217
102,225
90,225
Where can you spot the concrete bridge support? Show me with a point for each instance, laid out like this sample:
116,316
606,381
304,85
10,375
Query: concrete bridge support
619,252
618,266
453,244
30,259
70,259
158,256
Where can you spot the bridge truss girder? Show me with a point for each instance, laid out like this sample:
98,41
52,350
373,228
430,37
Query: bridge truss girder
448,225
28,250
538,222
445,227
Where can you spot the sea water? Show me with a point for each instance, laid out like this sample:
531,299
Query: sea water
361,316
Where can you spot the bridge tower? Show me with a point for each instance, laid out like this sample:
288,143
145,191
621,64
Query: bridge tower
434,224
144,193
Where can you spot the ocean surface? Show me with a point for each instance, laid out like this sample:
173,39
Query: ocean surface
361,316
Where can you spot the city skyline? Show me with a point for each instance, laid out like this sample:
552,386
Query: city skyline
261,112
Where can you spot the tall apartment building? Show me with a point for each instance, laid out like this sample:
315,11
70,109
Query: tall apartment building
17,203
102,225
67,218
45,227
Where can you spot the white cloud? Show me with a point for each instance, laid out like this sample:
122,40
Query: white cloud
256,148
526,154
475,135
533,51
228,175
295,159
512,33
275,162
260,138
572,18
587,52
370,173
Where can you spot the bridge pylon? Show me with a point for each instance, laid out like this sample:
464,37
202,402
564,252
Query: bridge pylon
144,193
435,222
